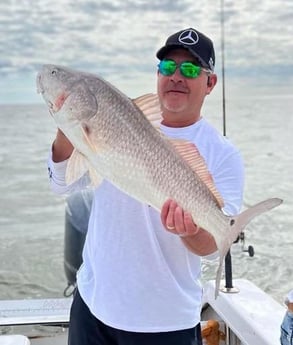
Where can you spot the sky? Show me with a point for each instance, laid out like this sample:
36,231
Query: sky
118,40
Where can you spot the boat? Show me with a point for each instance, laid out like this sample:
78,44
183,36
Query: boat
247,316
242,314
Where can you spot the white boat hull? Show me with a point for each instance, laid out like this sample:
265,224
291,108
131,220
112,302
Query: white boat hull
249,317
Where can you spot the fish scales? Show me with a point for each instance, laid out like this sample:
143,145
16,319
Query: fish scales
135,143
123,146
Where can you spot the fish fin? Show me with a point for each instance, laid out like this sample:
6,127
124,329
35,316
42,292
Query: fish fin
95,178
247,215
237,224
219,275
190,153
150,106
77,166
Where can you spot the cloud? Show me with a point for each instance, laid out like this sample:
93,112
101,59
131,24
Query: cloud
117,37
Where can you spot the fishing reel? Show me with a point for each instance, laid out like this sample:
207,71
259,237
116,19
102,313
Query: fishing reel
249,249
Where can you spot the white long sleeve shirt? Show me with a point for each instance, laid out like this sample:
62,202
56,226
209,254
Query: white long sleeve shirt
135,275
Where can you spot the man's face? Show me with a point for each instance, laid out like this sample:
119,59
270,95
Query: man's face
181,98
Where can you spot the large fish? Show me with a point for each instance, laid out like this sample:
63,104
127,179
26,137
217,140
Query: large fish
118,139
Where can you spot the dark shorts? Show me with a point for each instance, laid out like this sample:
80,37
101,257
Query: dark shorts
85,329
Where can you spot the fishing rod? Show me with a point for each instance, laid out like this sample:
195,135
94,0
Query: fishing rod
228,259
223,67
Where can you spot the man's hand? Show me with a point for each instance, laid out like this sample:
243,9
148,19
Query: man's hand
62,147
176,220
179,222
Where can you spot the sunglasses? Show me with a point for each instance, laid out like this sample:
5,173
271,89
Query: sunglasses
188,69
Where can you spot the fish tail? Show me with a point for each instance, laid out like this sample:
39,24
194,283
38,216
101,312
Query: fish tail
237,224
246,216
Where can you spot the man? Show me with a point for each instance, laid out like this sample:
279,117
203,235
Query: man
139,282
287,324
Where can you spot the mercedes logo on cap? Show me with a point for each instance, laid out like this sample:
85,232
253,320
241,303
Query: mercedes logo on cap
188,37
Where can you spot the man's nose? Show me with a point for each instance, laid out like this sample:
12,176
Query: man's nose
177,76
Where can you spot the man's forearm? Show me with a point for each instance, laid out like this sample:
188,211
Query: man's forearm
62,148
202,243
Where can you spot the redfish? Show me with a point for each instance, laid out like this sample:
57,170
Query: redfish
118,139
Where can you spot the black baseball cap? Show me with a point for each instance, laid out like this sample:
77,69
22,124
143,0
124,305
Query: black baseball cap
198,44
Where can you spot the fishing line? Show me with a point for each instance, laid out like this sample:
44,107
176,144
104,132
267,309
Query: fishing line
223,67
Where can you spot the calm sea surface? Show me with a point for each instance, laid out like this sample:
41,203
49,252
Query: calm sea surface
32,217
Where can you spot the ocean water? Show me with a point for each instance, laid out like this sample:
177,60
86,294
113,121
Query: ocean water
32,217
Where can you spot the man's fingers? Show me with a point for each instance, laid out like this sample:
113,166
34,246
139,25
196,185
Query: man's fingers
165,211
170,221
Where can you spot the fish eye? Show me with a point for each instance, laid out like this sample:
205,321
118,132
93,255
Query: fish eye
54,72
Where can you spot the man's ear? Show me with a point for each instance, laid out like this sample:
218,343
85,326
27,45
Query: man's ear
211,82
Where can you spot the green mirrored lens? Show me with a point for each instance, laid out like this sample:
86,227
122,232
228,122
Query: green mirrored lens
167,67
189,70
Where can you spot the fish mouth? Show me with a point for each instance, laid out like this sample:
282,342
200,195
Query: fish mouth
55,106
41,90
